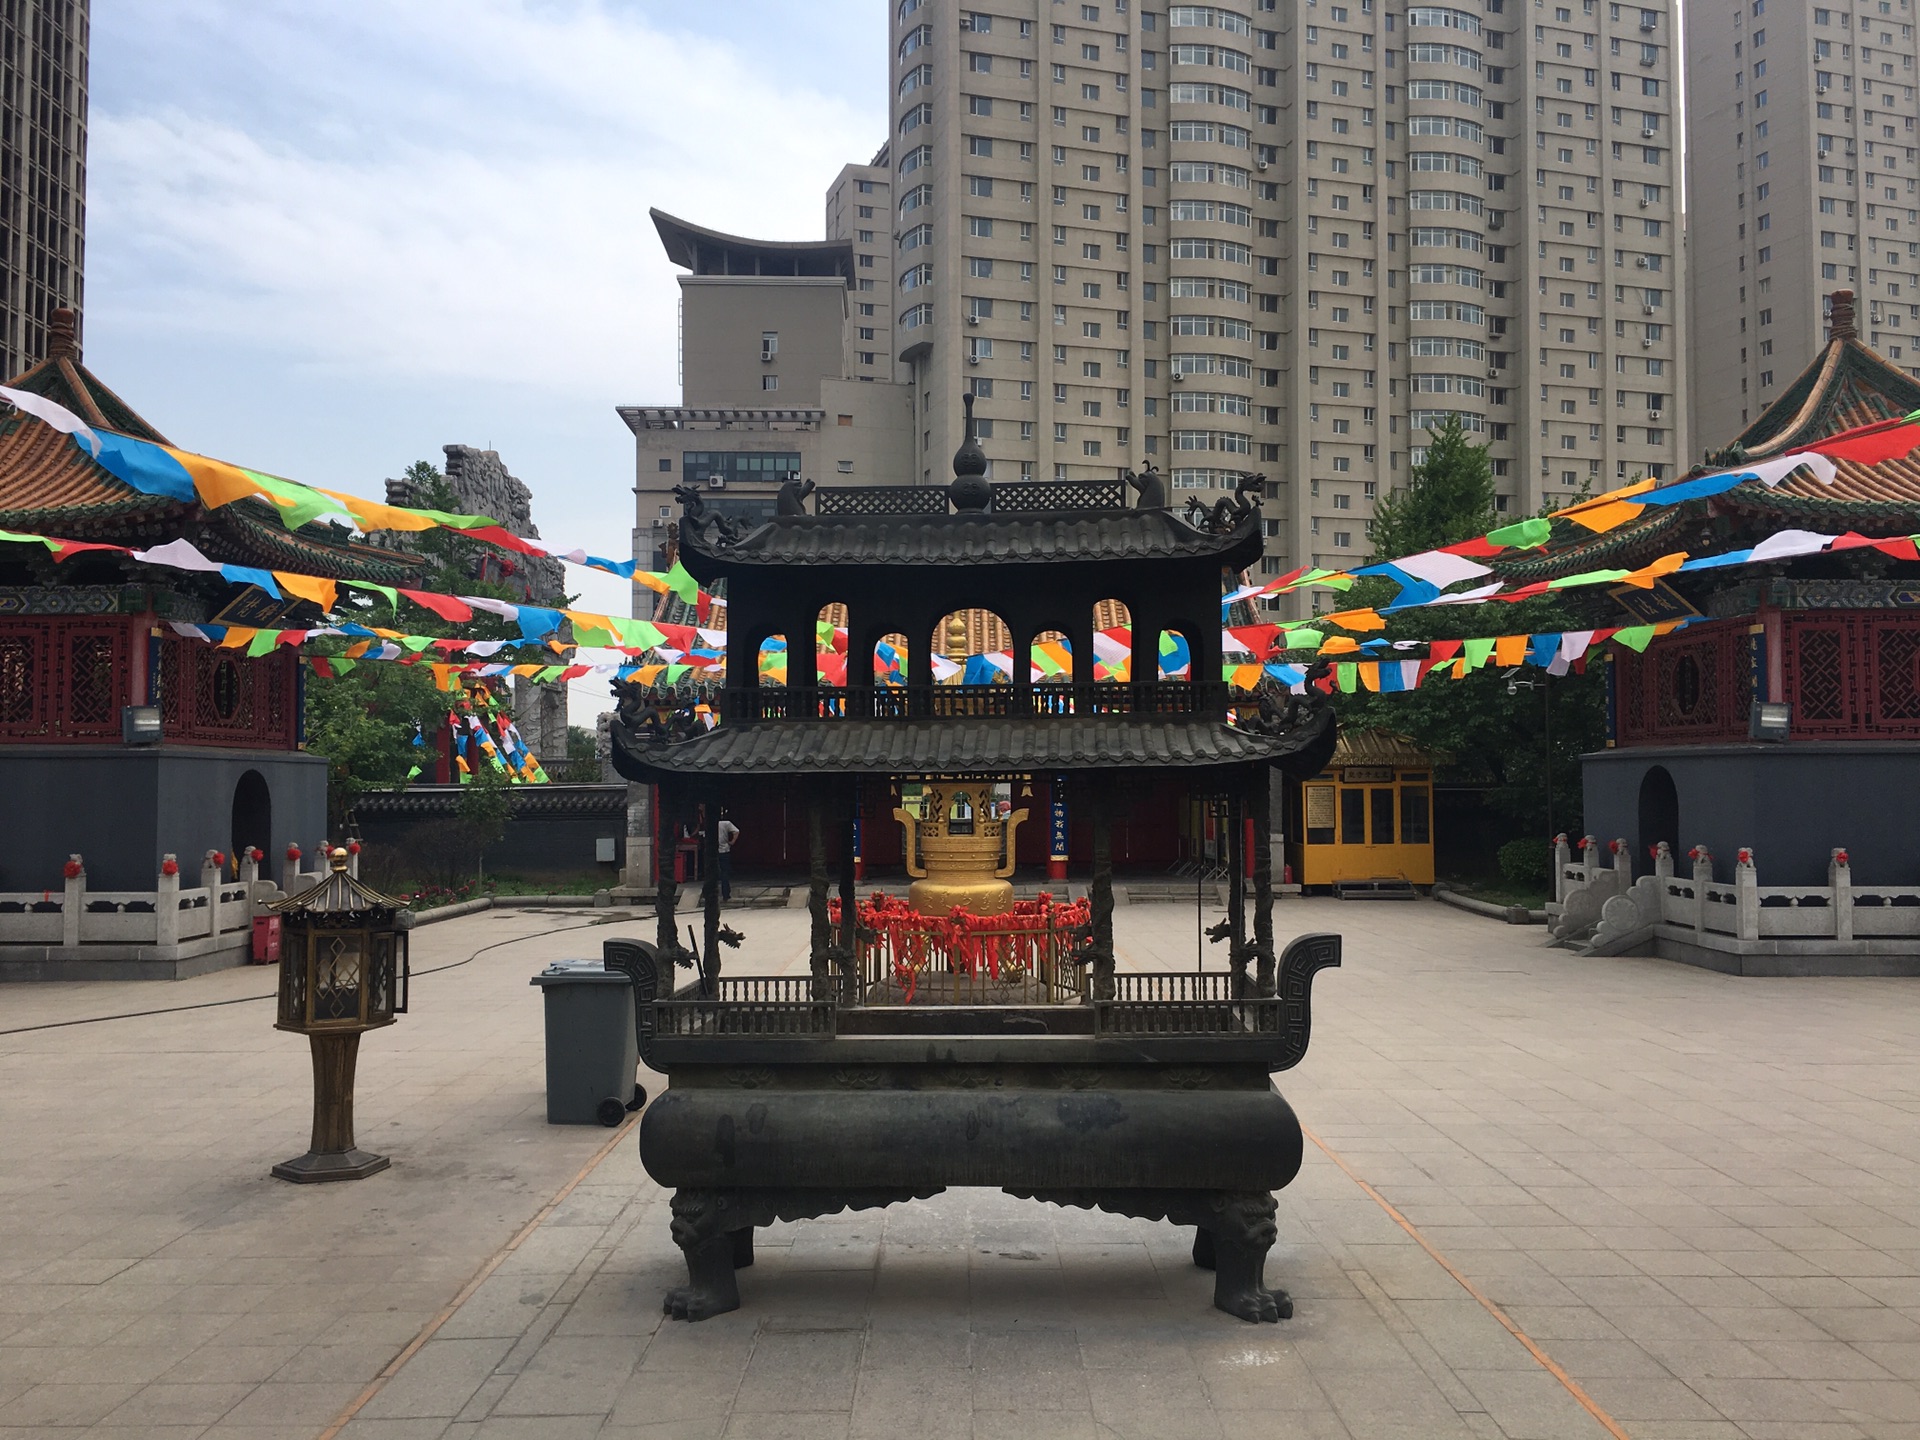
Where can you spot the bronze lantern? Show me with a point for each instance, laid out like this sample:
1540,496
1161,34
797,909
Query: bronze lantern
343,972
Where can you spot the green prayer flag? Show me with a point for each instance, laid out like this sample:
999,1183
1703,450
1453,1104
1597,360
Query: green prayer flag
674,672
1349,675
1588,577
1529,534
1302,640
1635,637
392,595
640,634
262,643
683,584
296,504
550,673
1477,652
415,643
341,667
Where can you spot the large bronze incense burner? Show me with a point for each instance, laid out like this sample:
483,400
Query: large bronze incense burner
976,1042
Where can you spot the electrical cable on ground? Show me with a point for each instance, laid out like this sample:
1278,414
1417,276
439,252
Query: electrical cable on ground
249,999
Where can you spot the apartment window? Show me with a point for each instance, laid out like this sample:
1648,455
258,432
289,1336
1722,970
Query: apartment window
769,382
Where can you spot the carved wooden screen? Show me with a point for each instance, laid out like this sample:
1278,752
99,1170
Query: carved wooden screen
1853,675
1695,687
210,696
62,680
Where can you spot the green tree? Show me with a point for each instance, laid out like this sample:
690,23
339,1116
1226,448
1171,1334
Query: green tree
1492,723
364,721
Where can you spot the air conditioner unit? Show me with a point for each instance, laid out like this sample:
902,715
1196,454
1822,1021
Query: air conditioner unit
1492,373
1646,27
1648,133
767,357
1644,203
1640,262
1646,309
716,482
1646,342
1653,414
1821,90
973,319
1260,165
1179,378
973,359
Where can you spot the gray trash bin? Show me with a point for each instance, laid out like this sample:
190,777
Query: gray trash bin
592,1052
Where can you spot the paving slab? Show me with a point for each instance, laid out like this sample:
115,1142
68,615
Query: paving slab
1691,1192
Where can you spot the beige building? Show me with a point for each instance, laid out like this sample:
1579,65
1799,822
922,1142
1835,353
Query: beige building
776,381
43,172
1284,237
1801,171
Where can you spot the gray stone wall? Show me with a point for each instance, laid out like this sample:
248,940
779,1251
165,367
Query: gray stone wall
482,485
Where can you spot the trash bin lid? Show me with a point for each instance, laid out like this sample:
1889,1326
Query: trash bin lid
580,972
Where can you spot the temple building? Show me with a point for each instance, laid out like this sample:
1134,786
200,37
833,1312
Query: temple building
122,742
1785,719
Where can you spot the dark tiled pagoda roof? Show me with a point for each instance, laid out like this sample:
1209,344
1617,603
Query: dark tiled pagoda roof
1847,385
970,540
934,747
50,486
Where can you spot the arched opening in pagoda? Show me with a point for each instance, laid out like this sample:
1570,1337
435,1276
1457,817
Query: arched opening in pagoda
971,647
774,667
830,647
890,660
1175,656
1112,642
252,826
1659,818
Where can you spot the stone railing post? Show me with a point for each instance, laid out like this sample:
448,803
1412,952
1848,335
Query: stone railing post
212,870
249,869
290,871
1589,866
1746,884
1840,877
1562,857
1702,879
1663,861
166,904
73,902
353,858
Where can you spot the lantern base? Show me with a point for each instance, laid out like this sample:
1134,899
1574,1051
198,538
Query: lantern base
318,1166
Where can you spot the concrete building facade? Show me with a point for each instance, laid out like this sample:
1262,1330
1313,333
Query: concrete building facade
1285,235
1801,164
43,172
781,375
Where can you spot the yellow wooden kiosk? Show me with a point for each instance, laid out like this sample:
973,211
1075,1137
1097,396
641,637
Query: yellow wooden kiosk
1366,821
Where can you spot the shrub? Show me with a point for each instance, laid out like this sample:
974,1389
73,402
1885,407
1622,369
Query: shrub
1527,863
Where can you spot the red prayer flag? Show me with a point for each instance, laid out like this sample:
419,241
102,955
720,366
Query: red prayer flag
1894,443
445,606
1443,650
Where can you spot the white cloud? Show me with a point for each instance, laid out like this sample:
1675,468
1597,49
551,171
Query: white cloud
326,239
450,188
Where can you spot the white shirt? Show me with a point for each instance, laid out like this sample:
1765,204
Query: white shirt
728,831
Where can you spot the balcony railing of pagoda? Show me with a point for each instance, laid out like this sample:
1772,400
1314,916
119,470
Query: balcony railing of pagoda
957,702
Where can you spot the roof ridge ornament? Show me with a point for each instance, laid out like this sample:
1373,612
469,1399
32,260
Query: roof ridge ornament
1841,323
63,335
969,490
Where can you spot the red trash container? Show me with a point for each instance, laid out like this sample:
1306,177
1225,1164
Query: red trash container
266,939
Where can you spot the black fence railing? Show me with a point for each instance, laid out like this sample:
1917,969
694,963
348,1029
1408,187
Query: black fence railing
1011,497
946,702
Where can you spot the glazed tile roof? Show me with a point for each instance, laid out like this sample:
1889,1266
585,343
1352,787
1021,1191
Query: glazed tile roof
49,486
909,747
969,540
1381,747
1847,385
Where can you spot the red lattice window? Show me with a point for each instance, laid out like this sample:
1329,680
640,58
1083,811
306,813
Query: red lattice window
63,679
1854,675
210,696
1686,689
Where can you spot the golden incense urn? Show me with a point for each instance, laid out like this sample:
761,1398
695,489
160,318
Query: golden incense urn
954,852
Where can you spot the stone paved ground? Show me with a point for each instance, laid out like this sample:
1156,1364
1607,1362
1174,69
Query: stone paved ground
1695,1194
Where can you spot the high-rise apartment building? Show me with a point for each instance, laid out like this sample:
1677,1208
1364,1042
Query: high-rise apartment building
1802,175
1287,237
43,171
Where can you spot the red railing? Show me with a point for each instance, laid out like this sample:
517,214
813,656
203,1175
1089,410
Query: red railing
956,958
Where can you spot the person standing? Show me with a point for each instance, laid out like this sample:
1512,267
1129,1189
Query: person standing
729,832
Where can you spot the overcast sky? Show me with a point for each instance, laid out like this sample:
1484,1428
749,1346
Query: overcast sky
326,239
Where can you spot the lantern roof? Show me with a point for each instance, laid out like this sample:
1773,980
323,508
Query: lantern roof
337,893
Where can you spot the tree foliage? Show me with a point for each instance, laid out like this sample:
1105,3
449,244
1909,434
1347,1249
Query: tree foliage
364,721
1492,724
